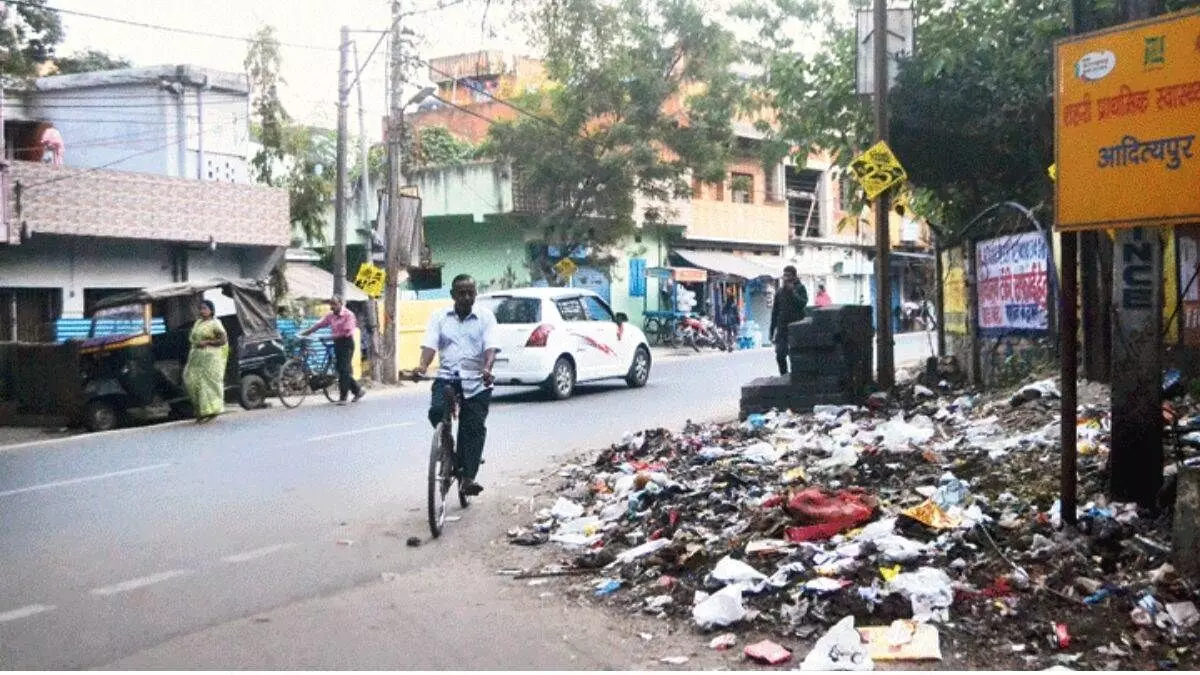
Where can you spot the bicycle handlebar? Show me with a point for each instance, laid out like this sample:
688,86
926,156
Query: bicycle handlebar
414,376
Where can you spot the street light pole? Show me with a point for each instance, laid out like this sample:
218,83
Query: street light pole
395,150
339,221
883,291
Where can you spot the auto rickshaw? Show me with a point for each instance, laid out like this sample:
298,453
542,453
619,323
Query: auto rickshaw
133,372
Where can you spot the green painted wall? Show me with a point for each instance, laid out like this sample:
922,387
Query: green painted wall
484,250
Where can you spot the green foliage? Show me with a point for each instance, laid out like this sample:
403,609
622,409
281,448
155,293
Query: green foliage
606,133
90,60
438,147
291,156
28,38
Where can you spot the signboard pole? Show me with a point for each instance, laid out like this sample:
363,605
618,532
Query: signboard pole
1068,354
886,374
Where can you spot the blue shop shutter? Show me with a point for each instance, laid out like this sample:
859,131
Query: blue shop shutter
637,277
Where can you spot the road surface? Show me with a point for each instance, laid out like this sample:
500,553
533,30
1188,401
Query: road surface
115,543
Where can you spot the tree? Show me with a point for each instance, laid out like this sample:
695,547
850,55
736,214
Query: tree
290,156
643,95
30,32
436,146
90,60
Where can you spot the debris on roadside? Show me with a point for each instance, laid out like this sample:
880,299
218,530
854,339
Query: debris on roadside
930,517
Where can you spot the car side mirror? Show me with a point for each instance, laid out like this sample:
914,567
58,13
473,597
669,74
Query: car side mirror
621,317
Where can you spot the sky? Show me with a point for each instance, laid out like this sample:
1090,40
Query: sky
311,75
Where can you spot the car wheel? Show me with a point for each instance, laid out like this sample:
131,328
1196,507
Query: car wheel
562,379
639,371
253,392
100,416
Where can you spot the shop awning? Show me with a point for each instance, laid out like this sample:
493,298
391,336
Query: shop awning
730,264
313,283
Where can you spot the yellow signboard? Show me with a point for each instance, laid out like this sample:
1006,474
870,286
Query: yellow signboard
877,169
1127,117
370,279
566,268
954,296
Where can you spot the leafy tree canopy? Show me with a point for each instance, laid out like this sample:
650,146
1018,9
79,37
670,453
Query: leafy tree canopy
90,60
438,147
644,93
30,33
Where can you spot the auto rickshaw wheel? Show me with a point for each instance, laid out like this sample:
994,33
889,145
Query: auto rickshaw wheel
253,392
100,416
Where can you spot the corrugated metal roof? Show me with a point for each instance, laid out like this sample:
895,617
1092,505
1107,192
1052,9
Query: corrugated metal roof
313,283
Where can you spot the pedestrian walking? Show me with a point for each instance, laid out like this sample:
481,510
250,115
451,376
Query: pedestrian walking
731,318
343,323
822,299
464,340
791,300
204,374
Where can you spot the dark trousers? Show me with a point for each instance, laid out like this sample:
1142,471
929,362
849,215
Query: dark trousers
781,350
343,351
472,429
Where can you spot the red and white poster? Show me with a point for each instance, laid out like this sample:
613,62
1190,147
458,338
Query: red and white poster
1013,274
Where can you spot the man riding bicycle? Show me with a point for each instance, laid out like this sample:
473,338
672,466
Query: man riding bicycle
464,339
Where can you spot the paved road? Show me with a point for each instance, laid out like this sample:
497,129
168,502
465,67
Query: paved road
115,543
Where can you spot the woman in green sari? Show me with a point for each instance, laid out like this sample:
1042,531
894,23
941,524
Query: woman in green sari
204,375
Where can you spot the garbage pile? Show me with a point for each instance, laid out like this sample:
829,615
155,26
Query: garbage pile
925,526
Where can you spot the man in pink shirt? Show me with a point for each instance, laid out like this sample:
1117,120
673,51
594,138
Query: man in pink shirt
342,322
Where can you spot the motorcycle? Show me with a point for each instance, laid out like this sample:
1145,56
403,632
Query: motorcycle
701,332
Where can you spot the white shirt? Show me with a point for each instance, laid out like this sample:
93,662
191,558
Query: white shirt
460,344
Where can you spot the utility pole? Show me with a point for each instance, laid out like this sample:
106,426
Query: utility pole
396,180
883,287
339,221
364,213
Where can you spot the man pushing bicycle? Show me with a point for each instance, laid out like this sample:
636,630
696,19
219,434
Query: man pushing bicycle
464,339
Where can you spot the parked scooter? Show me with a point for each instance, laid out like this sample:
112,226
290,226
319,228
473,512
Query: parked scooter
701,332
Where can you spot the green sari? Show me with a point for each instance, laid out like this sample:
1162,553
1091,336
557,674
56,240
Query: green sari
204,375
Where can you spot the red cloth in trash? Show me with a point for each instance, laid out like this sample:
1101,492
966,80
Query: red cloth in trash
825,514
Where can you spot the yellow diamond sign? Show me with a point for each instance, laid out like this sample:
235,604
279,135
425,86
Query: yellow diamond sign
371,279
877,169
566,268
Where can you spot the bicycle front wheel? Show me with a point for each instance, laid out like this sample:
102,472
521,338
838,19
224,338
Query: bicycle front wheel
292,385
440,473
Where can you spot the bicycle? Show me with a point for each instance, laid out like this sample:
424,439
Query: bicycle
297,377
443,456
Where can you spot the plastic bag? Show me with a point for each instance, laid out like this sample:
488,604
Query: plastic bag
929,590
841,648
737,572
721,608
565,509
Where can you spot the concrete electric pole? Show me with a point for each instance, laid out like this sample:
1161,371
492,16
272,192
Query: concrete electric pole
883,288
396,179
339,222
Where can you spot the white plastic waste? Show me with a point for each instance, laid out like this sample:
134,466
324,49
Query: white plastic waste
895,548
761,453
841,648
565,509
721,608
643,550
733,571
929,590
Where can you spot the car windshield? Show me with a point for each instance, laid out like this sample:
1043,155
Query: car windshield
509,309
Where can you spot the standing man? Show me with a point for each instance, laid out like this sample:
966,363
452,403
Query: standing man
342,322
790,302
464,338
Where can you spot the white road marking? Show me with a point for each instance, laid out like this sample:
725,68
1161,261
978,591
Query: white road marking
140,582
255,553
359,431
24,612
85,479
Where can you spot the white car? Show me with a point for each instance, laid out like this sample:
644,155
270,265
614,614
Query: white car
556,337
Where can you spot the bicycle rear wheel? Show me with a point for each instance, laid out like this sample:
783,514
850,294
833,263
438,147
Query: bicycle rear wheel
330,377
441,473
292,385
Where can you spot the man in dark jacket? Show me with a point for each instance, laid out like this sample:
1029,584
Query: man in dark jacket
790,302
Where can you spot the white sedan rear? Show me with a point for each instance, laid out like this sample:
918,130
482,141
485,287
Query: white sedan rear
557,337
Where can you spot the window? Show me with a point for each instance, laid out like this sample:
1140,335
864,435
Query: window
597,310
510,310
771,186
804,202
741,187
697,189
718,192
571,309
637,277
